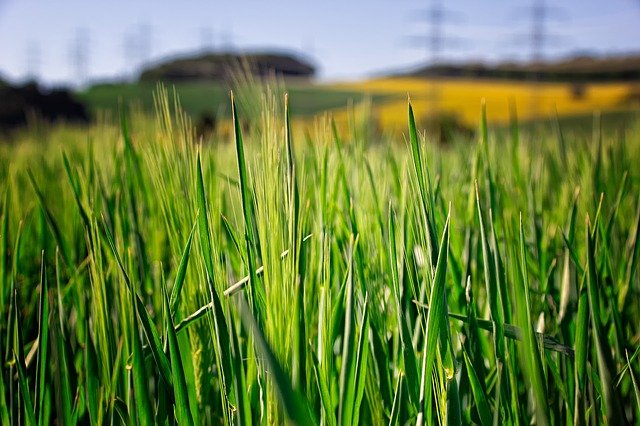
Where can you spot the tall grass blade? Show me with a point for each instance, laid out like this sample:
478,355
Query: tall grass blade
424,188
493,290
410,363
347,385
613,409
512,332
51,221
84,215
294,403
181,273
221,338
299,344
182,409
19,362
30,417
43,342
634,381
149,329
328,414
4,409
478,392
60,358
93,392
4,253
144,412
436,319
257,293
531,352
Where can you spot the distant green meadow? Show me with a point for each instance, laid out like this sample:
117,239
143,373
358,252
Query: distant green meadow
211,98
319,277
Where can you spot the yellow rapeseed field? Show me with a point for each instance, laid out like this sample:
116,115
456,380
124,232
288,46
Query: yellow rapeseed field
462,98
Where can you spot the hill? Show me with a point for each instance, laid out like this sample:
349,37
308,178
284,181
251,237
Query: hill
577,68
222,66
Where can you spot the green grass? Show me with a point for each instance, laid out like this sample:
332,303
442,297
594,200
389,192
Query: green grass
318,278
199,98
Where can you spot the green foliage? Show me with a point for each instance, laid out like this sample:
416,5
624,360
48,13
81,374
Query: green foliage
321,279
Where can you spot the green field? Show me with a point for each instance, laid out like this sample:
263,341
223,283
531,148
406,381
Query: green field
308,101
281,277
199,98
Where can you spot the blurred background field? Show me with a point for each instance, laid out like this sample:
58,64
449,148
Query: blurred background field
460,98
538,59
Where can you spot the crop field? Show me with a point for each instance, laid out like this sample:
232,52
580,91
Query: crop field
385,98
461,97
212,98
318,277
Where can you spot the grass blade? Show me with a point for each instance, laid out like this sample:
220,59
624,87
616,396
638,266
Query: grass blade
51,221
93,395
493,290
347,385
410,362
4,409
581,350
257,293
634,381
512,332
180,275
435,320
295,404
477,389
182,409
424,188
149,329
614,411
43,342
323,389
60,358
221,338
531,351
144,412
30,418
18,357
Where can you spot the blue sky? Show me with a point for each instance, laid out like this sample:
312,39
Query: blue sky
349,39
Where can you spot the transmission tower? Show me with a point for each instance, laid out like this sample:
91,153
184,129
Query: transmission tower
145,45
540,13
227,41
435,40
33,60
206,39
137,46
79,55
435,15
